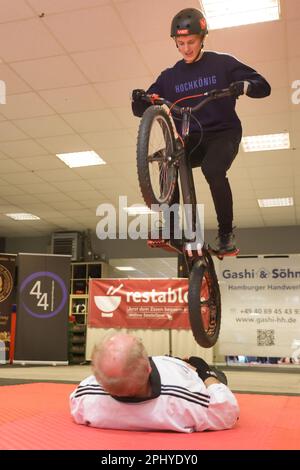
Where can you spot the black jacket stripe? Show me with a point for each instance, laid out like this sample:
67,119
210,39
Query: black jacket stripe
185,390
197,402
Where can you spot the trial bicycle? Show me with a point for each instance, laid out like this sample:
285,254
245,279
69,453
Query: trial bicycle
162,162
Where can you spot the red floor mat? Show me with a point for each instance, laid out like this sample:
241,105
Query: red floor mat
36,416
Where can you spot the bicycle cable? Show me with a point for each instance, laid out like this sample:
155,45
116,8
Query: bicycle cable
193,117
199,95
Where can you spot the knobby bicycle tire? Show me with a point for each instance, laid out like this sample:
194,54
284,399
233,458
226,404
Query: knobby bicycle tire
166,183
204,302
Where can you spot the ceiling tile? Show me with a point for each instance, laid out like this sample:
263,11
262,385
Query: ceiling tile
8,131
271,172
45,126
94,203
37,208
8,189
91,121
11,11
245,203
21,199
127,119
159,54
294,70
69,224
293,28
72,186
65,205
73,99
275,72
30,40
237,172
11,166
52,176
277,102
112,183
295,119
112,155
21,148
7,208
25,106
103,67
291,9
102,29
85,195
101,172
266,123
39,188
42,162
118,92
153,24
56,6
54,197
14,84
295,140
25,177
79,213
249,43
253,222
270,191
265,159
63,144
41,74
109,139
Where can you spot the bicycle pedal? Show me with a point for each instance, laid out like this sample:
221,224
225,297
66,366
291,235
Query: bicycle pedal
159,243
163,243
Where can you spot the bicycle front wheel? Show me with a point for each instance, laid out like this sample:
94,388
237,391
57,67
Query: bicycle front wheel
204,301
157,173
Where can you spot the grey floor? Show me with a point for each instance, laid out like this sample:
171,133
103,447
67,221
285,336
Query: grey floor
278,380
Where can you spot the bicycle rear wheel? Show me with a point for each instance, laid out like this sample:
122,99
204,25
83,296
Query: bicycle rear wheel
157,173
204,301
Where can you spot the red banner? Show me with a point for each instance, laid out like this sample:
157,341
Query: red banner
138,303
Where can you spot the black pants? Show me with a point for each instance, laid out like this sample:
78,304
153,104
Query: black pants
215,155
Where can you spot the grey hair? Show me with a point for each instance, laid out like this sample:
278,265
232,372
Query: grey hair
133,373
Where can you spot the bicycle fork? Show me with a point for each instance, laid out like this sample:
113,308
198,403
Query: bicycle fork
194,241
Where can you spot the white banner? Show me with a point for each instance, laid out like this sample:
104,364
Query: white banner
260,306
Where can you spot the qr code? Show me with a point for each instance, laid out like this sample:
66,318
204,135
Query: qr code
265,337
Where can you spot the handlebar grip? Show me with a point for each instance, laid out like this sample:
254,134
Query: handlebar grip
215,94
153,99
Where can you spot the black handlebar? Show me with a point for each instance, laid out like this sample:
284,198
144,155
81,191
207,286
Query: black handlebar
209,96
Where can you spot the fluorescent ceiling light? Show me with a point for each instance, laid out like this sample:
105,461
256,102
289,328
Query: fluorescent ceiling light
277,202
23,216
260,143
138,210
79,159
125,268
221,14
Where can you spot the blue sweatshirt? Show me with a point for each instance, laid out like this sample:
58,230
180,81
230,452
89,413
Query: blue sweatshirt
212,71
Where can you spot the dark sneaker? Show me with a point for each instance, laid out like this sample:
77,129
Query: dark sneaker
226,243
219,375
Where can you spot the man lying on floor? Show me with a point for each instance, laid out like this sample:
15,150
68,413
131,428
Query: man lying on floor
132,391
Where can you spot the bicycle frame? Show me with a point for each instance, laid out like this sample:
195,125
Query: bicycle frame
181,159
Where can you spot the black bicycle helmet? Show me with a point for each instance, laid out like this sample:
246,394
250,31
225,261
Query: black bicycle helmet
188,21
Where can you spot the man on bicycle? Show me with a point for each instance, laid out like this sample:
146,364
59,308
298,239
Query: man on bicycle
214,146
